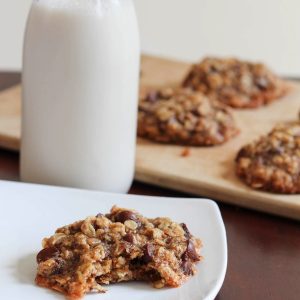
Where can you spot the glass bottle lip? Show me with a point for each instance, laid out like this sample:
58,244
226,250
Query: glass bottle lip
81,3
98,7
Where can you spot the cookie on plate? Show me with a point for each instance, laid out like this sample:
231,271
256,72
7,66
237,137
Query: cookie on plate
117,247
182,116
273,162
236,83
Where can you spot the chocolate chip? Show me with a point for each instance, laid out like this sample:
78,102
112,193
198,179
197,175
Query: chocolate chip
187,256
213,69
136,262
191,251
126,215
152,96
186,230
152,275
47,253
275,151
188,80
99,215
243,152
169,240
148,253
187,268
59,267
129,238
262,83
184,256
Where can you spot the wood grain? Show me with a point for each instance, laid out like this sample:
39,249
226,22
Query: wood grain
208,171
10,120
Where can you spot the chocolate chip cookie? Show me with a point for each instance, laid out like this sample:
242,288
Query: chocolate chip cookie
120,246
273,162
236,83
182,116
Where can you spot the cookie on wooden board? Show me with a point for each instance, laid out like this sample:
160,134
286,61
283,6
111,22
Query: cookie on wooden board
236,83
182,116
272,163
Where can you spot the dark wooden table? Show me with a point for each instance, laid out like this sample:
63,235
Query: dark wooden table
264,251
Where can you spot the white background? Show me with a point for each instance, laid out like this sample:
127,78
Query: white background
267,30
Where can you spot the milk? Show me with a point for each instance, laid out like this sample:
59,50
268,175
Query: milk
80,90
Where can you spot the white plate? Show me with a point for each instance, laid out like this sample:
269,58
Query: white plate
30,212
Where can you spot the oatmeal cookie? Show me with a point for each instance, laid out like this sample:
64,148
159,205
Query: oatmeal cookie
273,162
182,116
236,83
120,246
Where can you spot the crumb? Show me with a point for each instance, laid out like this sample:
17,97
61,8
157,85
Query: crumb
186,152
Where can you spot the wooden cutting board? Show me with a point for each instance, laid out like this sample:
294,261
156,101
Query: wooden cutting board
207,172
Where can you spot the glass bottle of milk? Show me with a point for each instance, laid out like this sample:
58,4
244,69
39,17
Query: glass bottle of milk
80,92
